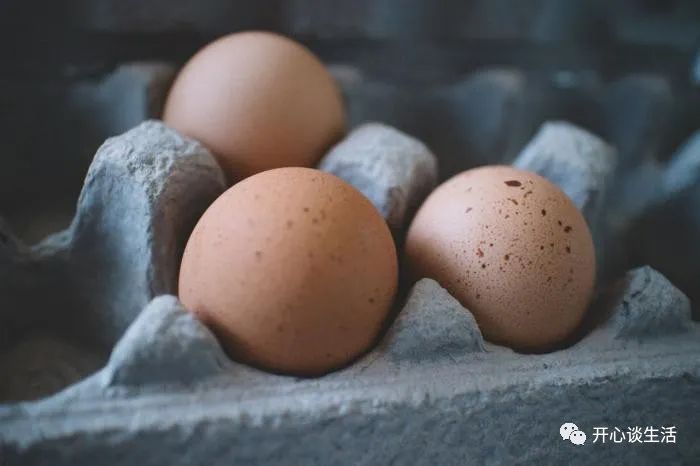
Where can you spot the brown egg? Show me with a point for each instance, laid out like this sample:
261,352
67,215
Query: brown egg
258,101
512,248
294,270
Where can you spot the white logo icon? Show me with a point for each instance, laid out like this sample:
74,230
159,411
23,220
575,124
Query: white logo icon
577,437
566,429
570,431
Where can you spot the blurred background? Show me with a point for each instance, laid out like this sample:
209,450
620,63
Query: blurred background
474,79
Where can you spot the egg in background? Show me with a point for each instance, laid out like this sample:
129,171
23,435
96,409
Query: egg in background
258,101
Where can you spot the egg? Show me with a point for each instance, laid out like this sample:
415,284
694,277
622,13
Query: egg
293,269
512,248
258,101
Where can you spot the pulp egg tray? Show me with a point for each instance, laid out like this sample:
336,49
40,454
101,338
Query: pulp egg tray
100,364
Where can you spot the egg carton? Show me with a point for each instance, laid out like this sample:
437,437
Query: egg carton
432,391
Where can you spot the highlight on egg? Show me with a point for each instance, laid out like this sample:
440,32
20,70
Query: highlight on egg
293,269
512,248
258,101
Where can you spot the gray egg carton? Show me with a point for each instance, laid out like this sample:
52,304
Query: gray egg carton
99,363
431,392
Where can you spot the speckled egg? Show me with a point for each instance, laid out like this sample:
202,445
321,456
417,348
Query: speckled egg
512,248
293,269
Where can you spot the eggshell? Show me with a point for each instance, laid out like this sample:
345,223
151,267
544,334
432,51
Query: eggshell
512,248
294,269
258,101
